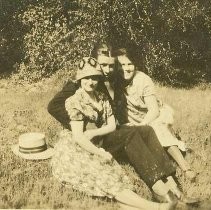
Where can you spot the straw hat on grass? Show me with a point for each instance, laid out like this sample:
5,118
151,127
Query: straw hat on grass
32,146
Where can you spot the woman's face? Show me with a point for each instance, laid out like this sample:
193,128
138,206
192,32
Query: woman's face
89,84
127,68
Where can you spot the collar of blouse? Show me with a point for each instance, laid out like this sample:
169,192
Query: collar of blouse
95,100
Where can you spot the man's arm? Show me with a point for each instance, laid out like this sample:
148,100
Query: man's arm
56,106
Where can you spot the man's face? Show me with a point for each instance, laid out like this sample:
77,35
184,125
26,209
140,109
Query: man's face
107,65
126,66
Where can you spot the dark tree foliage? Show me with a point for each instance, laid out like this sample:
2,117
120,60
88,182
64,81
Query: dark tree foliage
11,34
169,40
59,33
9,41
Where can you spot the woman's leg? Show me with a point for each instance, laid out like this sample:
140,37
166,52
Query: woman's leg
178,157
184,165
174,188
131,199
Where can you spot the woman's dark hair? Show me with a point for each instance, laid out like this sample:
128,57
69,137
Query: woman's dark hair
121,51
133,56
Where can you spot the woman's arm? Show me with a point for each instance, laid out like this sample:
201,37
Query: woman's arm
111,126
153,110
84,140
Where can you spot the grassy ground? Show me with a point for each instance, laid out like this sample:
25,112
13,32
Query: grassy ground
29,184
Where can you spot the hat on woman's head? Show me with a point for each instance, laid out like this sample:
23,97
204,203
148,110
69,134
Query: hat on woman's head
88,66
32,146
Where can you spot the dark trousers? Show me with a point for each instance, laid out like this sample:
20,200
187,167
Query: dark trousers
144,152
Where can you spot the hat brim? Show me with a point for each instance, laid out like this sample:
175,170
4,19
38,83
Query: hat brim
34,156
89,73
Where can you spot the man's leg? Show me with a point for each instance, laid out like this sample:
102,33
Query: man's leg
156,150
145,156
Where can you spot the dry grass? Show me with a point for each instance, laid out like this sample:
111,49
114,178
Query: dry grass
193,123
29,184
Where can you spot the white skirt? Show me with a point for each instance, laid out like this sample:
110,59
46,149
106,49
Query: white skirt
161,128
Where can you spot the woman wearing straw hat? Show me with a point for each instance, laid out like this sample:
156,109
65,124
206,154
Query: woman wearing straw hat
78,160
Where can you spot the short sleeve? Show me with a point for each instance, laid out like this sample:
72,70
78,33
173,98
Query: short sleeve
149,88
73,109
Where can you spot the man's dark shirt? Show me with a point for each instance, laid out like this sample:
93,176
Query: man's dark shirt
56,106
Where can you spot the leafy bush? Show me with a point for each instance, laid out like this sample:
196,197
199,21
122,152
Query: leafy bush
170,40
11,35
59,33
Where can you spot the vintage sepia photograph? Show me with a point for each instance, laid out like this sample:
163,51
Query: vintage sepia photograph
105,104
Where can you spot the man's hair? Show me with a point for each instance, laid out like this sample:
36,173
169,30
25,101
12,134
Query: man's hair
101,45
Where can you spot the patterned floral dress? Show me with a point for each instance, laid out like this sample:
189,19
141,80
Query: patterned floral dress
73,165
